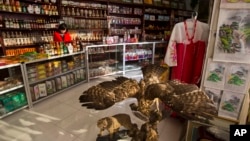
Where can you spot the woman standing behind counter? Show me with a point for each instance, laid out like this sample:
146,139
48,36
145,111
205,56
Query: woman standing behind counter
62,34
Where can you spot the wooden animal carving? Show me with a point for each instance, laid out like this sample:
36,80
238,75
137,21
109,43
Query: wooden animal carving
113,123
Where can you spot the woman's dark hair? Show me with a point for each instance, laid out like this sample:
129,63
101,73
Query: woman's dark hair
62,26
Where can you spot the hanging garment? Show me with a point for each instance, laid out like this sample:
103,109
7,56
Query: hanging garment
185,53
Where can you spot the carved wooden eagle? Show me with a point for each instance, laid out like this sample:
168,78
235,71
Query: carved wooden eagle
186,99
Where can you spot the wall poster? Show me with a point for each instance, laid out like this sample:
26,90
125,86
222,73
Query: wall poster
237,77
233,36
215,74
230,105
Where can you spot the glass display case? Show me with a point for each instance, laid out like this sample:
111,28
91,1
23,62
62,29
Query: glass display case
122,58
104,60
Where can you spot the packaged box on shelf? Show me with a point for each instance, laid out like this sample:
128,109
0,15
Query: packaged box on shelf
53,85
31,69
2,109
82,73
64,81
78,74
72,80
42,90
7,103
68,80
19,99
49,73
75,77
43,76
49,86
34,90
49,66
32,75
57,67
41,67
13,101
58,83
41,72
71,65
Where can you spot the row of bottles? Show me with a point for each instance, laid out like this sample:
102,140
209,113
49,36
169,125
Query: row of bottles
19,51
85,23
21,38
59,48
67,11
89,36
17,6
30,24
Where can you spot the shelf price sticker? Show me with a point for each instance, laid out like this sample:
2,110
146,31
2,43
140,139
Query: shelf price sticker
239,132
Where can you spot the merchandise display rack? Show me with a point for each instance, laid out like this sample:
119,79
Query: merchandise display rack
13,96
77,81
211,57
120,56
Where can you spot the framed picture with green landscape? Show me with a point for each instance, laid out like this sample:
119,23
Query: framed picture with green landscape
237,77
215,74
233,36
230,105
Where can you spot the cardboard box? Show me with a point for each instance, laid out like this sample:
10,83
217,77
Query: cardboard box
34,92
53,85
82,74
78,74
72,80
58,83
42,89
64,81
68,79
49,87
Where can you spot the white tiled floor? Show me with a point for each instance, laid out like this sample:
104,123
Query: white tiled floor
61,118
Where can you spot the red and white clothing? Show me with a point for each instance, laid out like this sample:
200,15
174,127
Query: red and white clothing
186,50
58,37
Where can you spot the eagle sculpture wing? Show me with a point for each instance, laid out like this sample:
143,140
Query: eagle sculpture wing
107,93
185,99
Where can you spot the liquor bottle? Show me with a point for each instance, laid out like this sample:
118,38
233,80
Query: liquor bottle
11,25
18,6
55,49
61,47
65,49
73,11
13,6
1,21
68,12
52,49
63,11
6,23
58,48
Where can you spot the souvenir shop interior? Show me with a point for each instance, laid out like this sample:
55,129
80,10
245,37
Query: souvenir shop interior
123,70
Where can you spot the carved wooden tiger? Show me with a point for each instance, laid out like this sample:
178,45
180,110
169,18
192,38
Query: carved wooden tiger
112,124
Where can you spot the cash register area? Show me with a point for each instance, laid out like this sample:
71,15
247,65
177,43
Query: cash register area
62,118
